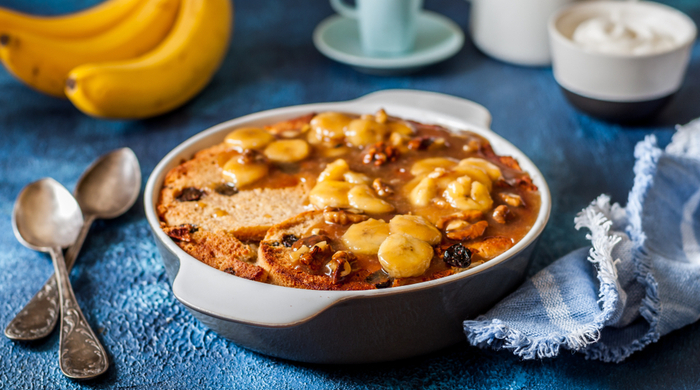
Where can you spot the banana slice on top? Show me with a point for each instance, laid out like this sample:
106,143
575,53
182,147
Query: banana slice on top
288,150
424,192
416,226
329,127
334,171
491,169
366,237
362,197
428,165
330,193
249,138
242,174
404,256
361,132
466,194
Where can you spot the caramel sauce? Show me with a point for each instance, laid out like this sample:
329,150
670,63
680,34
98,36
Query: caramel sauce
457,145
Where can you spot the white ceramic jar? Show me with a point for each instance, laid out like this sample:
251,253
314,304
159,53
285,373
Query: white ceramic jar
620,82
514,31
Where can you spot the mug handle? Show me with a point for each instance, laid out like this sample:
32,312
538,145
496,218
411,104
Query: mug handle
342,8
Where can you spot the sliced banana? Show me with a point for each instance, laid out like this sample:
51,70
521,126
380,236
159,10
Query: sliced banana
329,126
467,194
424,192
361,132
334,171
429,164
249,138
356,178
288,150
400,127
362,197
491,169
404,256
416,226
475,173
366,237
243,174
330,193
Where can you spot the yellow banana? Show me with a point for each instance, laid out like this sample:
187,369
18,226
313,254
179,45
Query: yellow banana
76,25
163,79
43,63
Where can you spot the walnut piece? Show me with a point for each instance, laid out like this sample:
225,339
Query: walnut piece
468,232
382,188
339,266
501,213
380,154
342,217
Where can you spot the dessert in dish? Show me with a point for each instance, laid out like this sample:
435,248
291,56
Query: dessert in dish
341,201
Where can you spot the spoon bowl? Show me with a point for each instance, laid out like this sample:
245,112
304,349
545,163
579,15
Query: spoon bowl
46,216
110,185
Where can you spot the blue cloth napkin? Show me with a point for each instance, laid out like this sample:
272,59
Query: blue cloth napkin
639,281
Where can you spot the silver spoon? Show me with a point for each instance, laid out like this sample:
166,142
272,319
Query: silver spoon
47,218
107,189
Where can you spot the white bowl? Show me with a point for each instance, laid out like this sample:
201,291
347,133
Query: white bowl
346,326
619,86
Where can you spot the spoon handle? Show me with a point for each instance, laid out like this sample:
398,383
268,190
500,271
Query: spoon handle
38,317
80,353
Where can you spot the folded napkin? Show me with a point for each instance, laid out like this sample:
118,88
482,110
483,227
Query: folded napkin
639,281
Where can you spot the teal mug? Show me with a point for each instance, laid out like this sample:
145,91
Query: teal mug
387,27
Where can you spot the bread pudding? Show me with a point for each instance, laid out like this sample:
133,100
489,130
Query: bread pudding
338,201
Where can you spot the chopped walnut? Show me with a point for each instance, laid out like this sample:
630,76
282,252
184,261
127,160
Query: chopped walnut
250,156
511,199
470,216
510,162
181,233
380,154
309,241
339,265
420,143
472,147
316,256
342,217
382,188
501,213
469,231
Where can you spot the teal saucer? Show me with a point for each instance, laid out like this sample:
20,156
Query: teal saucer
438,38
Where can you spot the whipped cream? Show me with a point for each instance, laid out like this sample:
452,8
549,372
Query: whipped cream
625,34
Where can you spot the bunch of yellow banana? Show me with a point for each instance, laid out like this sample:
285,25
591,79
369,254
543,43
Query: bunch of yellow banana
122,58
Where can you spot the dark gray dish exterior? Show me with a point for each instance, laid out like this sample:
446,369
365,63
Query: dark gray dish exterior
378,328
618,112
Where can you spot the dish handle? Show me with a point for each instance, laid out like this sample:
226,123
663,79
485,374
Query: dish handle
463,109
218,294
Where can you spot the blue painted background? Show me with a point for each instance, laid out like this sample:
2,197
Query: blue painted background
120,282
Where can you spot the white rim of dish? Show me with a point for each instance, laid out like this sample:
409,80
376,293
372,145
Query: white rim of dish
329,297
592,5
454,44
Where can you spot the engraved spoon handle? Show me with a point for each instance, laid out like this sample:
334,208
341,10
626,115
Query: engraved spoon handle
80,353
37,318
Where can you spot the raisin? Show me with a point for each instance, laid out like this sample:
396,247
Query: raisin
384,284
275,243
226,189
190,194
289,239
457,255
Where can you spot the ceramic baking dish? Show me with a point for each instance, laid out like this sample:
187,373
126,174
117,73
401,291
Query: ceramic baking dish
347,326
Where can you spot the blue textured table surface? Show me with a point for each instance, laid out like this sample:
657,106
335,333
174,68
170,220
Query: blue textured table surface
154,343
